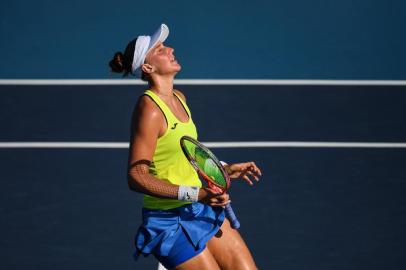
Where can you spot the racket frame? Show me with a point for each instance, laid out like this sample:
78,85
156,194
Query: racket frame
235,224
192,161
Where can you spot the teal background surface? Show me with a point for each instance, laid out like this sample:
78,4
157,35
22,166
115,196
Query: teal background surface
289,39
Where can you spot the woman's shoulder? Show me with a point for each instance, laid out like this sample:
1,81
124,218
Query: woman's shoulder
146,107
180,94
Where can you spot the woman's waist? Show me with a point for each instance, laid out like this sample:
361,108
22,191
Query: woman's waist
185,210
155,203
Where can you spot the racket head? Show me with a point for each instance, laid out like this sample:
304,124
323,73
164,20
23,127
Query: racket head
205,163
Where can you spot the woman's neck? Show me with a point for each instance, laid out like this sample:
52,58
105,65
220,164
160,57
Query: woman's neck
162,86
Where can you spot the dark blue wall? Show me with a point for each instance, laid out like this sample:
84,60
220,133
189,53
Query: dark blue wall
319,39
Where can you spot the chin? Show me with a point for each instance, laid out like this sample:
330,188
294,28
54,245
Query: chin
174,69
177,68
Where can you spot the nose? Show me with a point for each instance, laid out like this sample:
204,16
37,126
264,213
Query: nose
170,50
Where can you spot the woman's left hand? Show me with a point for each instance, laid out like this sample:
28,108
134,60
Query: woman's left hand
246,171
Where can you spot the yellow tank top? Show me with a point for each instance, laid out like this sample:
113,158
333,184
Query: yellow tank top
169,163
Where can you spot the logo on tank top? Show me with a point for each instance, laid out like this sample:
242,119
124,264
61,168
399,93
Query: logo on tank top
174,125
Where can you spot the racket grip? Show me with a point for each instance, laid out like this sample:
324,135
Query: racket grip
235,224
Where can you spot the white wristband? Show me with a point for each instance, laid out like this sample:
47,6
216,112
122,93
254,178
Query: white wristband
188,194
223,163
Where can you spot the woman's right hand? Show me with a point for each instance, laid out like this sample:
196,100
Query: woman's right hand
213,197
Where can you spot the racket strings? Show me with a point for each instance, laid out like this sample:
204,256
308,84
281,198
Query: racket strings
206,162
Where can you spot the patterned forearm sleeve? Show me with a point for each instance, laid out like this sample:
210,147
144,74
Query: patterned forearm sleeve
140,180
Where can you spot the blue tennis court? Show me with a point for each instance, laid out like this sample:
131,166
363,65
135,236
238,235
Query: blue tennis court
318,206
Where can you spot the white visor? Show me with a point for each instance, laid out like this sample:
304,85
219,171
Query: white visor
143,45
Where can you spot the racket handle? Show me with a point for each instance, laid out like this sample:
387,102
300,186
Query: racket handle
235,224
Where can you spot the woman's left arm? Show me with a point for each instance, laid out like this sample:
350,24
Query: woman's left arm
247,171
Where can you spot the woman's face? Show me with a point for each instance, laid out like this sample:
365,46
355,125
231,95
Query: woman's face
162,59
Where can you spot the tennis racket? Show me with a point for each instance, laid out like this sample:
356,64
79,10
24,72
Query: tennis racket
210,169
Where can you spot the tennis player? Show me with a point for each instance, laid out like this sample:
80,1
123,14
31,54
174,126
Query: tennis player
183,223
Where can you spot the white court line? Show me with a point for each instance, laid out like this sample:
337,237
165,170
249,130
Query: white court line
202,82
123,145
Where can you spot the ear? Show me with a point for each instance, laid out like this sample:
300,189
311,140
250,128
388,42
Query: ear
147,68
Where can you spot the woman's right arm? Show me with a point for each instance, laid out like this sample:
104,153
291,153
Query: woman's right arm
147,125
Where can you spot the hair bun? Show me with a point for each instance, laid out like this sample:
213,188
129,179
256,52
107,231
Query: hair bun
117,63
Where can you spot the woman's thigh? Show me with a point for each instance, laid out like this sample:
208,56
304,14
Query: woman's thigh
203,261
230,250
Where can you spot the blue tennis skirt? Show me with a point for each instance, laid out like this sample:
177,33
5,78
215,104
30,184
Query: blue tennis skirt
161,229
